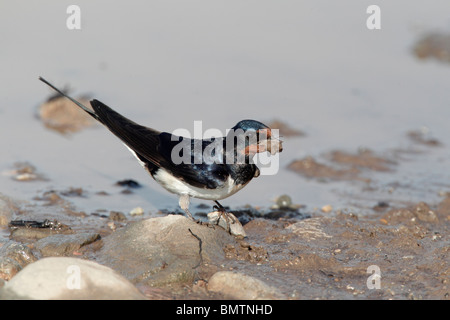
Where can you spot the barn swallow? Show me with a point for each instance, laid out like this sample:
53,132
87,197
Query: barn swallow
199,177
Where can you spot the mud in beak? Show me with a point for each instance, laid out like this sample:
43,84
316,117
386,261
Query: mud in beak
271,143
274,145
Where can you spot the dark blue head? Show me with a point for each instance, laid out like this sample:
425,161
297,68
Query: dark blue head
262,134
250,125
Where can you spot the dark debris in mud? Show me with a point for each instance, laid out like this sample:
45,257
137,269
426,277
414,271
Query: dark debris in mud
129,183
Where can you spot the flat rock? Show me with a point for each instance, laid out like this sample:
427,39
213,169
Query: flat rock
68,278
164,250
240,286
62,244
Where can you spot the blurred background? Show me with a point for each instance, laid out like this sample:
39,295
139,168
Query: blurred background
312,65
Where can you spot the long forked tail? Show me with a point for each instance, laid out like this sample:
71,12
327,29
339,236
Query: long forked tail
92,113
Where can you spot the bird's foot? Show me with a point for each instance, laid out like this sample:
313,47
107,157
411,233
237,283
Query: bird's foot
228,217
198,221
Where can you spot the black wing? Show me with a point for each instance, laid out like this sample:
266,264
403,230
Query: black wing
154,148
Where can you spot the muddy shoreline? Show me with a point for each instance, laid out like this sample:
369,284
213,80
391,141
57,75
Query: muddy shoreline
380,247
291,251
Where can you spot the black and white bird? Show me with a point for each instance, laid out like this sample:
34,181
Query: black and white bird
197,176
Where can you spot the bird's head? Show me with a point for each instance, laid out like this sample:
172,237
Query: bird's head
256,137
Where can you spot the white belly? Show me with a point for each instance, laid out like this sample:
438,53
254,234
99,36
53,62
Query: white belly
178,186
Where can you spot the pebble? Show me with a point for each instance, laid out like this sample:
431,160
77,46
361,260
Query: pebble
59,278
138,211
235,285
117,216
327,208
284,201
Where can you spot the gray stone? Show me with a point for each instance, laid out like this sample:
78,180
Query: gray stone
164,250
234,285
68,278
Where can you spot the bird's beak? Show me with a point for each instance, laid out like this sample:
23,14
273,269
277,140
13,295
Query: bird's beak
266,142
271,143
274,145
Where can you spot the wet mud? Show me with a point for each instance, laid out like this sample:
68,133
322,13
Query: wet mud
291,251
385,248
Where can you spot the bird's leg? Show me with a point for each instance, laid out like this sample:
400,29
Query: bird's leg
184,202
224,213
219,207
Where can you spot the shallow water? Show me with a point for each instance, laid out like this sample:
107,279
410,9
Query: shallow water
313,65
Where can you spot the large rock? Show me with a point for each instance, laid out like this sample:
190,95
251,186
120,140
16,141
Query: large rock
240,286
163,250
68,278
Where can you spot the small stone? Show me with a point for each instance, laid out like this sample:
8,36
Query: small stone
117,216
327,208
227,221
284,201
240,286
138,211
